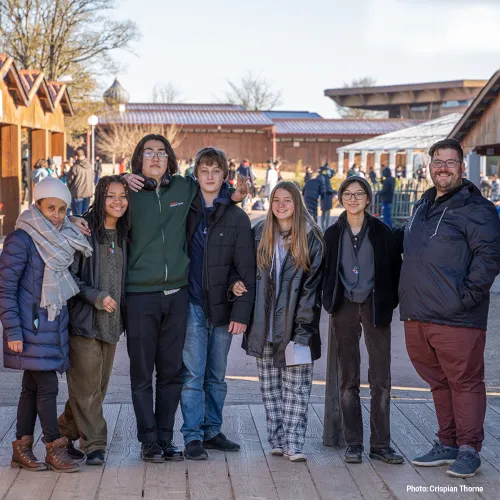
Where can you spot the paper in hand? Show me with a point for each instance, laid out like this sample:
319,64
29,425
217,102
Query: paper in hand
297,354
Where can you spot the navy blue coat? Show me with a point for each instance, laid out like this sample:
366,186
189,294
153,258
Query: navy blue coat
45,346
327,195
313,189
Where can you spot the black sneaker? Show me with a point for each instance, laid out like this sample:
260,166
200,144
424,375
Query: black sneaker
151,452
95,458
170,451
387,455
195,451
354,454
438,455
222,443
73,453
466,464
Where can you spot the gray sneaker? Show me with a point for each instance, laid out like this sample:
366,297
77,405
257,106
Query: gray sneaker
438,455
466,464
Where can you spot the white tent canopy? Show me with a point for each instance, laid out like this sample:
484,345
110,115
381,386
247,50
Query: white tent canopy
410,141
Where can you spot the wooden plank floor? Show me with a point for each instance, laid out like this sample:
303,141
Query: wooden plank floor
253,473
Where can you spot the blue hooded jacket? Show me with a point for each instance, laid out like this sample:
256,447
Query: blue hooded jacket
45,343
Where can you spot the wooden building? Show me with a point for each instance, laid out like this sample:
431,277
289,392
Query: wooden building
423,101
479,128
32,112
290,136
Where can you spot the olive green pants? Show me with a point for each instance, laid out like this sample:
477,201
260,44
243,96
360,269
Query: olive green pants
91,363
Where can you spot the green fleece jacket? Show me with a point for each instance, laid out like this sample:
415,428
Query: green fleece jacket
158,258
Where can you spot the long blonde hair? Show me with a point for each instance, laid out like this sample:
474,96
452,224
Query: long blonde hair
297,237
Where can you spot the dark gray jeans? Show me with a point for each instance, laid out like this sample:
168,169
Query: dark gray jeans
347,322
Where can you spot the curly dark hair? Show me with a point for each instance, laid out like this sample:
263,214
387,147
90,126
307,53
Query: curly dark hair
137,157
96,215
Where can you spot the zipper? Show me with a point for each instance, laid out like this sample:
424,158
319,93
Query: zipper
338,267
162,236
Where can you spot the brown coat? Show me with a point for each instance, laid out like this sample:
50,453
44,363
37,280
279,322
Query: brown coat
80,179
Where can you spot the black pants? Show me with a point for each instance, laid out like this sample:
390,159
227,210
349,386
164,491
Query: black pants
38,397
347,322
156,328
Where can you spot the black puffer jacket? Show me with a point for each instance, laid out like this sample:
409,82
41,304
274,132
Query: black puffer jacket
85,271
451,258
297,309
228,249
387,269
387,193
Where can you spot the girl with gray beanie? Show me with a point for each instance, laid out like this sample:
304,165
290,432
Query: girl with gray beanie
35,284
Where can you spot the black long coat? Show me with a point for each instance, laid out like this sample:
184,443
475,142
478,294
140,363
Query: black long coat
297,309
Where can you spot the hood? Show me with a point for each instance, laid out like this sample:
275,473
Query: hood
386,172
459,196
84,163
361,180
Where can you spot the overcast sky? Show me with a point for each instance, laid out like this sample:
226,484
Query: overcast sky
306,46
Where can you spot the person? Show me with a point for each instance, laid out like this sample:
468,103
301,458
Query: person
231,176
271,178
326,197
80,181
386,195
362,255
25,168
286,316
495,188
96,317
308,175
312,192
190,169
451,258
245,171
355,171
156,293
213,317
399,172
373,176
40,171
35,284
97,169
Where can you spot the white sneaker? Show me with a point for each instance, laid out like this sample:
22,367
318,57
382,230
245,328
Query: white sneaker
295,457
277,452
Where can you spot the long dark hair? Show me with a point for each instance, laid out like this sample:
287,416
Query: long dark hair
137,157
96,215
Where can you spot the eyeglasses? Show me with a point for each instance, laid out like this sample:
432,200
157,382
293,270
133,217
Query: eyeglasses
151,154
447,163
357,196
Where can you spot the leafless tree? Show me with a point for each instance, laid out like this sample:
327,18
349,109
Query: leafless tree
253,93
346,112
166,93
118,140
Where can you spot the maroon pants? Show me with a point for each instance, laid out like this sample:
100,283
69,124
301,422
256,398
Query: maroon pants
451,360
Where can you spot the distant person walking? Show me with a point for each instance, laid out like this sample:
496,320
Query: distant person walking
40,171
80,181
312,192
271,178
326,196
386,195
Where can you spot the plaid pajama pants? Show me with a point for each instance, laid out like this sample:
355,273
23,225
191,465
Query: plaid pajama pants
285,393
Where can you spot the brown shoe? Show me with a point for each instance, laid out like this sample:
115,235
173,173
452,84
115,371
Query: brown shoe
57,457
23,456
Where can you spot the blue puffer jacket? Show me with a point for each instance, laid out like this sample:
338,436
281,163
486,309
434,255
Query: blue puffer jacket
45,345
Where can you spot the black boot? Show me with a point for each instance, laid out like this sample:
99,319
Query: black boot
171,452
387,455
354,454
222,443
151,452
195,451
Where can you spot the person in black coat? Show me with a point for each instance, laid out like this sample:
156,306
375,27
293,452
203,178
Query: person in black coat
312,192
97,319
360,291
386,195
285,320
326,196
220,242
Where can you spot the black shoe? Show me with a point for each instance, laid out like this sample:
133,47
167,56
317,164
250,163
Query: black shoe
95,458
170,451
195,451
354,454
222,443
73,453
387,455
151,452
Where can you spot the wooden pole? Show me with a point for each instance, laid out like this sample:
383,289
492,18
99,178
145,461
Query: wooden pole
333,433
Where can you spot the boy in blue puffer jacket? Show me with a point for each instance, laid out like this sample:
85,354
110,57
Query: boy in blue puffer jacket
35,284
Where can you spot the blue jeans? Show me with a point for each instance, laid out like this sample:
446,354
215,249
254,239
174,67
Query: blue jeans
204,390
80,205
387,213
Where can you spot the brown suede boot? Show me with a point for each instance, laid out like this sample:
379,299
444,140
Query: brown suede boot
57,457
23,457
